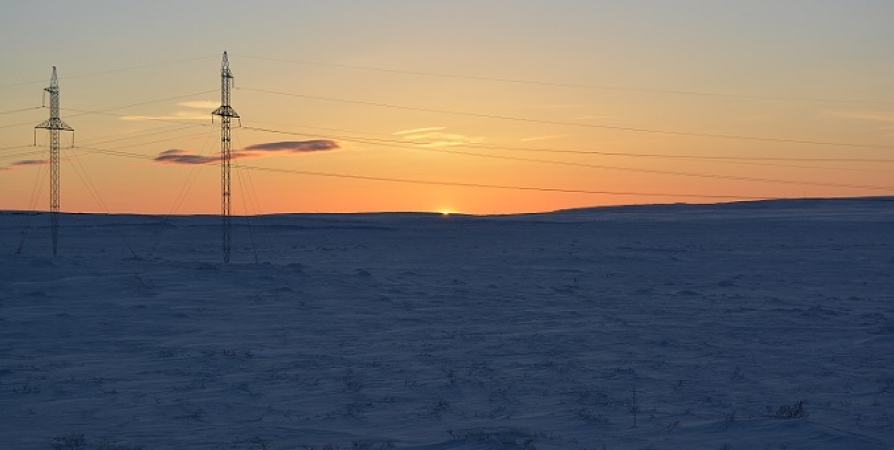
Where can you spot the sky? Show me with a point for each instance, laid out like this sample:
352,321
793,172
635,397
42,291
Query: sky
481,107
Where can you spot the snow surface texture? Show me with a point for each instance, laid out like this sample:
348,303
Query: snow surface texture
742,326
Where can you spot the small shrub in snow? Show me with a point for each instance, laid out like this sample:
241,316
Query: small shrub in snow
71,441
356,445
197,413
887,383
507,440
729,420
259,443
673,426
30,388
633,406
437,412
588,415
795,411
387,445
106,444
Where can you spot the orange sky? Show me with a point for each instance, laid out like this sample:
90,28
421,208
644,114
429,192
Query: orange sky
493,107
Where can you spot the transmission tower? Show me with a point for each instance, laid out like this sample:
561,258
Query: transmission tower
54,125
226,113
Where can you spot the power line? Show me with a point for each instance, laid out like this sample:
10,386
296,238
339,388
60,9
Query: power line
605,167
446,183
82,112
571,85
17,155
668,172
15,147
546,150
575,124
744,160
145,143
498,186
152,134
94,192
15,124
32,203
571,151
139,134
14,111
191,178
105,151
402,144
123,69
131,105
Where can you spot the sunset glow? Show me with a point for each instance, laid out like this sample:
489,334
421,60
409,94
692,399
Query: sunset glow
524,107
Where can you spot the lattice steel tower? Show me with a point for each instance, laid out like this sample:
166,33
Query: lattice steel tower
54,124
226,113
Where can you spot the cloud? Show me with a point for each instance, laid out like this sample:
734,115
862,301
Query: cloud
316,145
206,105
25,162
180,115
543,138
177,156
592,117
418,130
30,162
200,104
434,137
868,116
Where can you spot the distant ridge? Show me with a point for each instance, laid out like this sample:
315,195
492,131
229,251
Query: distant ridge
773,204
782,203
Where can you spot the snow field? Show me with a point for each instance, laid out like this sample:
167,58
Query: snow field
744,326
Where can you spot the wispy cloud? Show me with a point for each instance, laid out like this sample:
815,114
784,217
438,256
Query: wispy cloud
200,104
418,130
435,137
884,120
867,116
592,117
178,156
180,115
544,138
188,114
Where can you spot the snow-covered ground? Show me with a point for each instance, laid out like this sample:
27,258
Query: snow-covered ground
742,326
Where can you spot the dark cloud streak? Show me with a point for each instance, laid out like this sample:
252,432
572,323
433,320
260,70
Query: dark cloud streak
317,145
177,156
23,163
30,162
